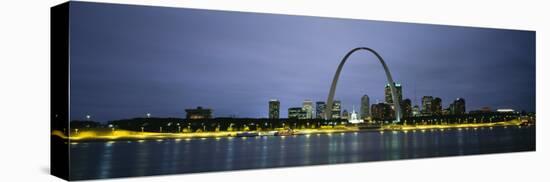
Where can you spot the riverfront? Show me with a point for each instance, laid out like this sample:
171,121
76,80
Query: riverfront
117,158
102,134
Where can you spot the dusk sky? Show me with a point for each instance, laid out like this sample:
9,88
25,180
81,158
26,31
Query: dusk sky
127,61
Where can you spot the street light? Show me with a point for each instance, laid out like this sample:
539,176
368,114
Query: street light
148,115
88,117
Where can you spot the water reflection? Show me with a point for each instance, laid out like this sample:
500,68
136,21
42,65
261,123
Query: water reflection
282,151
229,154
106,159
149,157
264,152
141,161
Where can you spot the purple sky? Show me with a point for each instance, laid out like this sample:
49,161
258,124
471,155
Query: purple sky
130,60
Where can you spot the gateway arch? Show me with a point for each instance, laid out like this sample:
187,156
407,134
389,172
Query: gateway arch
330,99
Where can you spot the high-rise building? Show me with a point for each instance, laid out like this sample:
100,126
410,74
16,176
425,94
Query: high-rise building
274,108
307,106
406,109
336,109
376,111
458,106
296,113
416,111
320,107
381,111
398,92
436,106
427,105
365,107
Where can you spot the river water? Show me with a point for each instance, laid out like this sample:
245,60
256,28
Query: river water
90,160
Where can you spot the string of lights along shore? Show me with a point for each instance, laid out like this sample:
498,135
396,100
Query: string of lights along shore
381,111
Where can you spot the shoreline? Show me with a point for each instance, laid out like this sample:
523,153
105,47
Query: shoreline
125,135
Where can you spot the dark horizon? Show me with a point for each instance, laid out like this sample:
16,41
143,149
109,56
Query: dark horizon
127,61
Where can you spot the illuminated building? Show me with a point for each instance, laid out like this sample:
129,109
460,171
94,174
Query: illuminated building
274,108
354,119
381,111
336,109
427,105
199,113
458,107
307,107
406,108
296,113
320,107
398,92
416,111
365,107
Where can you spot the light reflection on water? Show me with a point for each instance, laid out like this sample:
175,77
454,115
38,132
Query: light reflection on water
120,159
105,163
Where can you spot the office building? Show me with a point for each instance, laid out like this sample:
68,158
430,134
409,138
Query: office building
365,107
398,92
406,109
436,106
458,106
336,109
416,111
307,107
381,111
274,109
320,107
296,113
427,105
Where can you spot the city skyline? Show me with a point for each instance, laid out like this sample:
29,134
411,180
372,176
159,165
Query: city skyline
142,90
303,112
290,58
